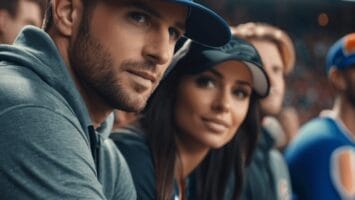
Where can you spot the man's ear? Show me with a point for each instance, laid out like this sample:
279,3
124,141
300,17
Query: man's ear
66,15
336,77
4,17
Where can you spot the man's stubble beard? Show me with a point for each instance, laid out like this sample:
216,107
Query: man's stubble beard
94,68
350,90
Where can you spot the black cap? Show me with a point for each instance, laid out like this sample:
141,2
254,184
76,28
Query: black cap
200,58
204,25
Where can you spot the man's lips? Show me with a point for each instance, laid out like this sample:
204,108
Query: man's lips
144,74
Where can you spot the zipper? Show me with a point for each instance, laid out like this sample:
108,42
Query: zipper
95,144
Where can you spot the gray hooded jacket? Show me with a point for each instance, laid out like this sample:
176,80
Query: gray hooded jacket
49,148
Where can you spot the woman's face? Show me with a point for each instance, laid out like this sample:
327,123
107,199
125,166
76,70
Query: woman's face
211,105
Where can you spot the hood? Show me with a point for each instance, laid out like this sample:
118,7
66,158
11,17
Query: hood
35,50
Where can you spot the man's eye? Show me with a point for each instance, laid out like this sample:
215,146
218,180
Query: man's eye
174,34
139,17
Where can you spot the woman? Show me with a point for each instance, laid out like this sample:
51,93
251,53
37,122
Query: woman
206,107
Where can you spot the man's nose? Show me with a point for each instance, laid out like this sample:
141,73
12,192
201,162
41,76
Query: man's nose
159,49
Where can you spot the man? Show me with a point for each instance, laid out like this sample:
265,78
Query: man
15,14
321,158
267,175
58,87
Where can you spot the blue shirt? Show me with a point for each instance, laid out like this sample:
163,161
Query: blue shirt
309,158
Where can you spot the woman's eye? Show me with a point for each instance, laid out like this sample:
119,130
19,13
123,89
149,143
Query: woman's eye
205,82
241,93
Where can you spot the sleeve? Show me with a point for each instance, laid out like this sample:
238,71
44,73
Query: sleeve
44,156
343,171
139,159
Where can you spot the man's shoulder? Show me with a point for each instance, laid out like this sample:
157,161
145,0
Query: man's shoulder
25,97
20,87
316,131
34,137
315,140
319,124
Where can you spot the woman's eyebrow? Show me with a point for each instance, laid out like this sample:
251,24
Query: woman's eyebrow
215,72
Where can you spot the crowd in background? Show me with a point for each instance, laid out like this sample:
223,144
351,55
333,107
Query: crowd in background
313,27
307,87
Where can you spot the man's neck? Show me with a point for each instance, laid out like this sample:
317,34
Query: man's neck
97,108
345,111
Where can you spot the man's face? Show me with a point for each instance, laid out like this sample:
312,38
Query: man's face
28,13
271,58
122,49
349,90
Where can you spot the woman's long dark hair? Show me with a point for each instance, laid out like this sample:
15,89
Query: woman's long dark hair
214,173
158,123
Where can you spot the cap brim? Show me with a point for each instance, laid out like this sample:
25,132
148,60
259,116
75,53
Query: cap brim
260,80
205,26
261,83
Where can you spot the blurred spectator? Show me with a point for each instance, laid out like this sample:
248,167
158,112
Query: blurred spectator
273,126
288,118
15,14
307,87
301,20
267,175
321,158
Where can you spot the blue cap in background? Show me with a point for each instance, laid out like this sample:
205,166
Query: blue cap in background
342,54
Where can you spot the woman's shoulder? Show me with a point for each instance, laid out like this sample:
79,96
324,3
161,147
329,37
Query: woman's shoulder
130,139
133,145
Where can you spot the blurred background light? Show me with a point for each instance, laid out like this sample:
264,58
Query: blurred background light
323,19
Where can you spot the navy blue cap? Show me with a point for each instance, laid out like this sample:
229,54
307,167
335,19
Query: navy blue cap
204,25
200,58
342,54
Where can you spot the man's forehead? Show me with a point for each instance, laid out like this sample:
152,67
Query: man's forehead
152,9
144,5
197,21
146,2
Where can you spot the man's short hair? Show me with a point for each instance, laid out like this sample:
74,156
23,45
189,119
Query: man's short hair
263,31
11,6
48,16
